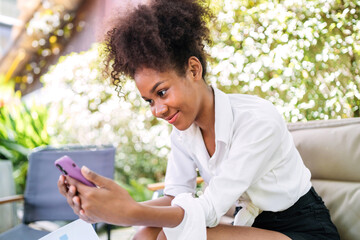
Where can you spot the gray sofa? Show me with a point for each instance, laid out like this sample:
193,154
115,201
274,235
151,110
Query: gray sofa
331,150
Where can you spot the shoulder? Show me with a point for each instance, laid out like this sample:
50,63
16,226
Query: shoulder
253,110
244,103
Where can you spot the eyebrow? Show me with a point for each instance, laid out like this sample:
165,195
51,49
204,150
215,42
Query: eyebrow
155,86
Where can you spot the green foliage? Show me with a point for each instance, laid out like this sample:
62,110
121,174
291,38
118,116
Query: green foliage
22,128
301,55
137,189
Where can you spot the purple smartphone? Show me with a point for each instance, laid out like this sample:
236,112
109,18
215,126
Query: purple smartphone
68,167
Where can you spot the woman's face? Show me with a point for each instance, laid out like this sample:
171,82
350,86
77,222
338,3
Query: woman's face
170,96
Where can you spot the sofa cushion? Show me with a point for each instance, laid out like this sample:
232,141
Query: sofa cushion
330,148
342,199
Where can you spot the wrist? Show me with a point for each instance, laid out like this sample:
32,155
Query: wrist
135,214
154,216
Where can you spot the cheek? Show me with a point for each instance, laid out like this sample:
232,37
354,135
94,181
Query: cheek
183,100
173,101
190,101
189,109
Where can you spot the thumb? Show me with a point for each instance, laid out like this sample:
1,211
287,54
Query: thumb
95,178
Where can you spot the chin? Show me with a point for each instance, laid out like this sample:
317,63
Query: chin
182,127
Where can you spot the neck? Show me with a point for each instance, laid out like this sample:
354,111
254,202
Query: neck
206,118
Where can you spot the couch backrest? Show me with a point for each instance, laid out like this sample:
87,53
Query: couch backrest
329,148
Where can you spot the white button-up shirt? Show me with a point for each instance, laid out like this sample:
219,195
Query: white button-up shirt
255,159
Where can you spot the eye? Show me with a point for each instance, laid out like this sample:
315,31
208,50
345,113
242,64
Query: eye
161,93
149,101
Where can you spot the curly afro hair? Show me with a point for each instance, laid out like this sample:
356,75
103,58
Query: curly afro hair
161,35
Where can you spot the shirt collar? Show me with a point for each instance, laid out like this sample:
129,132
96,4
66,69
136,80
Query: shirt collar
223,121
223,116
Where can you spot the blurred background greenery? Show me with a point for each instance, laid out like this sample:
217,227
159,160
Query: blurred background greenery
301,55
22,128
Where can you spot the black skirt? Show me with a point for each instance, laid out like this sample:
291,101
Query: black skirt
307,219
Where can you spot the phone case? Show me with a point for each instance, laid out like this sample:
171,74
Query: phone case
68,167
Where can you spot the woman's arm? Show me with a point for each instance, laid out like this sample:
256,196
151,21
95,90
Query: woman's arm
161,201
158,216
112,204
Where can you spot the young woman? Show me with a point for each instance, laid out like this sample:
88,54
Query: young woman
239,143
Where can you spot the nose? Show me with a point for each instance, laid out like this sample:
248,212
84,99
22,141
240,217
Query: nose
159,110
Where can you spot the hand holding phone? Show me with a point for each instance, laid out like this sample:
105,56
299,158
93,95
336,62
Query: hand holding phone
68,167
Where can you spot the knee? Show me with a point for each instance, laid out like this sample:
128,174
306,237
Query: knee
147,233
161,236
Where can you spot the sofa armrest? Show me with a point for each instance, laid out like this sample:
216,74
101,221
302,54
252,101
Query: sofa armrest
10,199
161,185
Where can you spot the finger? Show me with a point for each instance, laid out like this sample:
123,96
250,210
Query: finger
77,204
80,187
95,178
69,196
61,185
72,191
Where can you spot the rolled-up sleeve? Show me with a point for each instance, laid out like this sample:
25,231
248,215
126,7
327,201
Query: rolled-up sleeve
193,223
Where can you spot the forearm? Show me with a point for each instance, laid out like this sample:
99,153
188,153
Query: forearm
157,216
162,201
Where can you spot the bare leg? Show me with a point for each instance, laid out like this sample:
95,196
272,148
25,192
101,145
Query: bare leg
229,232
147,233
161,236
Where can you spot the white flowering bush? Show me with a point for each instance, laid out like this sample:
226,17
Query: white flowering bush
85,109
301,55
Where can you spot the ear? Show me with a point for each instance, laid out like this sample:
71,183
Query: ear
194,68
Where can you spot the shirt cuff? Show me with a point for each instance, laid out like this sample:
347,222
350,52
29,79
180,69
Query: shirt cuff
193,224
176,190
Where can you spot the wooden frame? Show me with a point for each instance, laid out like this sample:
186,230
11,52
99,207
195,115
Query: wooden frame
161,185
10,199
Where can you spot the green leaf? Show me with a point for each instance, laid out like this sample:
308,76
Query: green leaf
6,153
33,124
12,145
12,122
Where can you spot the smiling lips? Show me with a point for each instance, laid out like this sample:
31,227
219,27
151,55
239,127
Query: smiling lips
172,118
